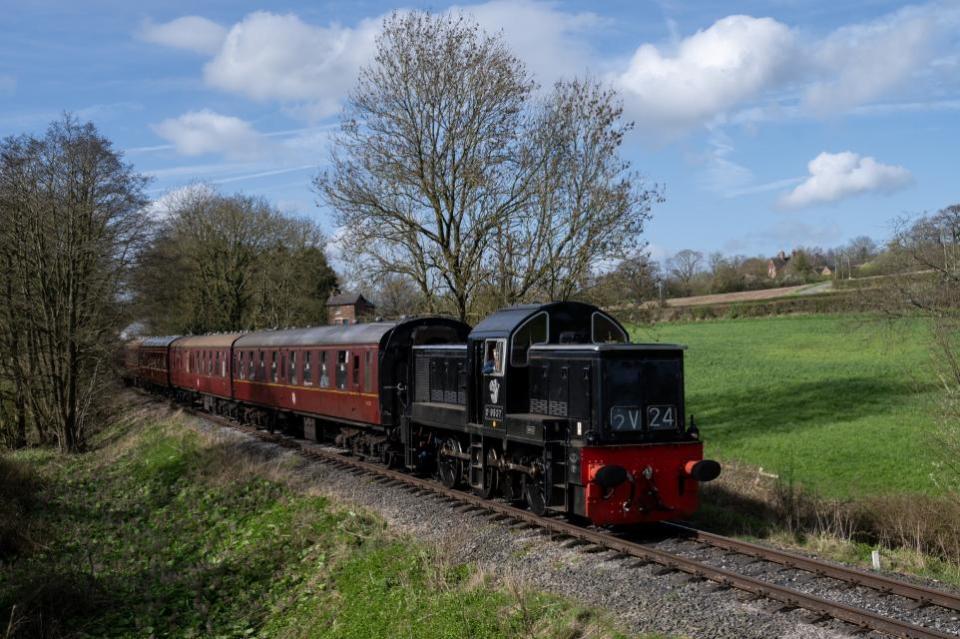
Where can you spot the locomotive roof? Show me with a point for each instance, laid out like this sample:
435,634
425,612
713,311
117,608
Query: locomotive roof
370,333
216,340
563,316
164,340
630,346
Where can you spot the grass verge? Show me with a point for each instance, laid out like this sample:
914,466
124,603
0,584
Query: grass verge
162,532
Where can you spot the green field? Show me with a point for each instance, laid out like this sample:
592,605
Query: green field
841,404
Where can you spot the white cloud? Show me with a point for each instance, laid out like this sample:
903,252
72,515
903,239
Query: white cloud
769,71
715,69
310,68
164,205
8,84
205,131
860,62
756,66
551,42
192,33
279,57
835,176
722,174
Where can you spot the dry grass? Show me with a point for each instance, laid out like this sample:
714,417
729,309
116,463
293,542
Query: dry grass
916,533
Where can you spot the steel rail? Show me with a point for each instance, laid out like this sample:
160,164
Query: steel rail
789,597
855,576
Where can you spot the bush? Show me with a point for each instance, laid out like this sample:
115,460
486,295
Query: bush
18,487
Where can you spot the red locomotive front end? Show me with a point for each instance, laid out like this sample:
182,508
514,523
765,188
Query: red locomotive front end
643,483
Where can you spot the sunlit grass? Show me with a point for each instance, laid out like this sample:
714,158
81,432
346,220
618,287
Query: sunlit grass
842,404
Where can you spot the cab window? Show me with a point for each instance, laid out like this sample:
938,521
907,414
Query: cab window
494,351
535,330
605,331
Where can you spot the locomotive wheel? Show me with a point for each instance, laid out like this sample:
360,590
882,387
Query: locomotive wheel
534,495
491,475
511,486
450,468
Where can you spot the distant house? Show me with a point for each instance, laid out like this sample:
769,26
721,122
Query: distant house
826,271
349,308
776,265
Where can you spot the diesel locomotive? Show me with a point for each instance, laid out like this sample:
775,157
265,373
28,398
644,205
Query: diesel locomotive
545,404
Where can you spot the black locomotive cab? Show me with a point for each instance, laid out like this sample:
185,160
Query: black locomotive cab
610,393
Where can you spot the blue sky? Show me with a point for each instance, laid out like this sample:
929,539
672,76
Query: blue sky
771,124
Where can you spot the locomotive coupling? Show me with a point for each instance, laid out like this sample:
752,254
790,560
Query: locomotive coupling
702,470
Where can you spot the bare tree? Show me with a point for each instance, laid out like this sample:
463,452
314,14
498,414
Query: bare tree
633,281
397,296
427,160
684,265
861,249
221,263
586,206
448,173
71,218
926,254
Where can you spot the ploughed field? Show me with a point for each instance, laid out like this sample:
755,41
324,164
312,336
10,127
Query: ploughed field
841,404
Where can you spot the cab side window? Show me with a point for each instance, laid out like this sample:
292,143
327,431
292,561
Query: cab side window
494,351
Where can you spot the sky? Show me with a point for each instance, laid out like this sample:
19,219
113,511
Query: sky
769,125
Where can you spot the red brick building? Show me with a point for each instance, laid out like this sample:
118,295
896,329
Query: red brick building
349,308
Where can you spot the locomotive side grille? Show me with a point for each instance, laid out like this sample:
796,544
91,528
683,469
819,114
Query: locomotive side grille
558,409
462,398
436,395
450,397
539,406
422,380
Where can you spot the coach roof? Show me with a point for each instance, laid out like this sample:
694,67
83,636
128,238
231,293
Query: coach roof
216,340
370,333
154,342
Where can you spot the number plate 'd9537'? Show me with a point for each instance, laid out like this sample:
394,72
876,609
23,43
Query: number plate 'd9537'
629,418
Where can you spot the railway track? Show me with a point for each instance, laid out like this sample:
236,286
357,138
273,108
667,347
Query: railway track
789,598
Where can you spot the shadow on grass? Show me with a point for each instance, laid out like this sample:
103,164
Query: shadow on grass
745,413
726,511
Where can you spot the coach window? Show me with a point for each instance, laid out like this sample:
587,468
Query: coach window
262,373
604,330
307,373
535,330
216,369
356,371
273,366
293,367
368,371
342,358
241,365
493,357
324,375
283,364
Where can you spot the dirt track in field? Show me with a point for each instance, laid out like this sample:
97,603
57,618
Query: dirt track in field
748,296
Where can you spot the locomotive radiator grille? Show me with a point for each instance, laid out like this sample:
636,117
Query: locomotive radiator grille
558,409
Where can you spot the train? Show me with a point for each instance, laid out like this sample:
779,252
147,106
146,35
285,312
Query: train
545,405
